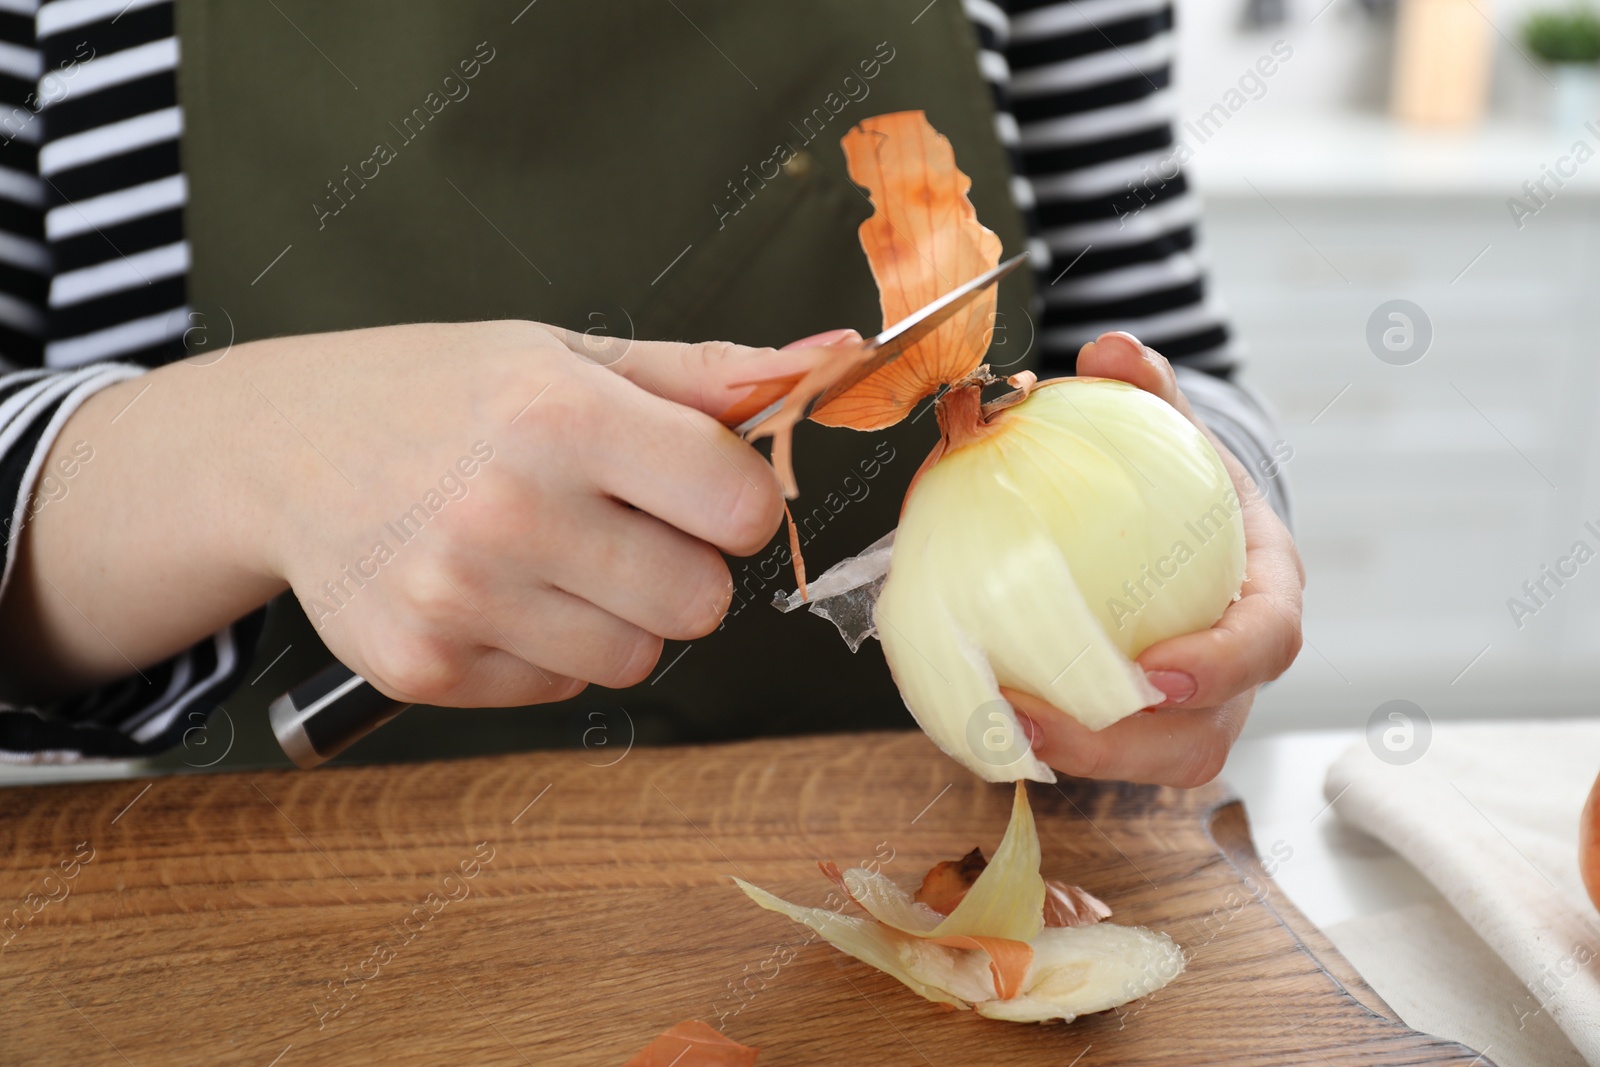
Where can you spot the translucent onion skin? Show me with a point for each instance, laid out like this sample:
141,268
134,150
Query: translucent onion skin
1042,551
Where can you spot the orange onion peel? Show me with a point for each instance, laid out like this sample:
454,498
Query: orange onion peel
694,1044
946,884
994,951
922,240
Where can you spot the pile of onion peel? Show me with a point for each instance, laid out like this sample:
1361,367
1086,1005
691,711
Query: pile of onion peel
694,1044
1011,946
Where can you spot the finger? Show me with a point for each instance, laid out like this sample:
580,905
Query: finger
1122,357
560,641
683,467
825,339
761,393
633,566
421,669
567,635
1184,747
500,679
709,376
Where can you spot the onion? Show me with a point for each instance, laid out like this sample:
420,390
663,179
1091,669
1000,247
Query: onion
1044,546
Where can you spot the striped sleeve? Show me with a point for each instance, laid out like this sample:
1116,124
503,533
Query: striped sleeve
1085,106
24,260
141,715
93,268
115,189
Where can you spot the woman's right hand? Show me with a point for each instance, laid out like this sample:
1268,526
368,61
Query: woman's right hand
484,514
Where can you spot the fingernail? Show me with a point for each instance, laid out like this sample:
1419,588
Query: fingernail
1175,685
826,339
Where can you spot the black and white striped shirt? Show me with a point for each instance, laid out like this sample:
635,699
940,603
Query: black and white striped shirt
1084,103
93,264
93,257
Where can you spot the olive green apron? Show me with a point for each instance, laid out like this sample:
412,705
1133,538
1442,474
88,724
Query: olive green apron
655,168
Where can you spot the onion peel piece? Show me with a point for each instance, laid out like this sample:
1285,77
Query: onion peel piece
883,947
1068,905
1061,971
694,1044
1007,899
946,883
886,902
922,240
1008,960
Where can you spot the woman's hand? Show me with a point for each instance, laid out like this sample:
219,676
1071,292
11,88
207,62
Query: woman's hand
1211,677
485,514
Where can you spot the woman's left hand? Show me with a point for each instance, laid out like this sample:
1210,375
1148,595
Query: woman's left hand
1210,677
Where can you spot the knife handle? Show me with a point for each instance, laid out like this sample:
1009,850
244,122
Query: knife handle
327,713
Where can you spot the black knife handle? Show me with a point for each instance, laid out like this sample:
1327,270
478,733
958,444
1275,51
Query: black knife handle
323,716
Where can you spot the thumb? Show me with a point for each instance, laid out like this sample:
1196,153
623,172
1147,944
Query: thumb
1122,357
727,381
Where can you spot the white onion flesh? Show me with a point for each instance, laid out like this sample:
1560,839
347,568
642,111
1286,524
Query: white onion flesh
1076,529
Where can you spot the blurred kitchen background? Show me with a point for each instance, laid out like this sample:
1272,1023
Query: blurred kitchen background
1380,164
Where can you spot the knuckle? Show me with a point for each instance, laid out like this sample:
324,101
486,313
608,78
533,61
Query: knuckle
1200,764
634,664
1086,758
702,610
552,688
564,416
751,515
1294,641
419,670
564,690
431,593
710,355
519,334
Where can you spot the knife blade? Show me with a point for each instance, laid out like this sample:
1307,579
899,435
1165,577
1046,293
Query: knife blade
889,345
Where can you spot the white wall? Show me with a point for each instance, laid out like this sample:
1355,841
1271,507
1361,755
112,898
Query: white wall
1427,494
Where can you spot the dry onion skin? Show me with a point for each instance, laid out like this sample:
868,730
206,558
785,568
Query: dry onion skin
922,240
994,953
694,1044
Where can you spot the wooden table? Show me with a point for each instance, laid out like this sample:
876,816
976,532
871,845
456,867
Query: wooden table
543,909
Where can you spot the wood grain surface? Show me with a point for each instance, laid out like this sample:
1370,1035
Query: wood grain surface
548,908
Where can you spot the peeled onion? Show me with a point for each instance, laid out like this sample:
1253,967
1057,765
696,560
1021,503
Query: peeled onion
1043,547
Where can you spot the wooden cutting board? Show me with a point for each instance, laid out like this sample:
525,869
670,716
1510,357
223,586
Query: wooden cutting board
547,909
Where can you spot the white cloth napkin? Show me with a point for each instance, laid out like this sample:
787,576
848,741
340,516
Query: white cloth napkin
1489,814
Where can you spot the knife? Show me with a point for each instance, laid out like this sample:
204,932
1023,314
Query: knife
335,708
889,345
